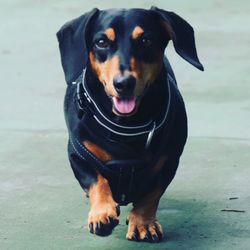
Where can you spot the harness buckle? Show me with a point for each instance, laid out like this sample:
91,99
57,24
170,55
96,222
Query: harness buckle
150,136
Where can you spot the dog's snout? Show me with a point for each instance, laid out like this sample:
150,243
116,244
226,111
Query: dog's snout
124,85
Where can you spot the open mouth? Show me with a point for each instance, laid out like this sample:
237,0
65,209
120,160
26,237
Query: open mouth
124,106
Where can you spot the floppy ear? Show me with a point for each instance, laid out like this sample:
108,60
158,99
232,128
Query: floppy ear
182,34
72,45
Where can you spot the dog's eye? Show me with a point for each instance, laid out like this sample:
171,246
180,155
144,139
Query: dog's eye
146,41
102,43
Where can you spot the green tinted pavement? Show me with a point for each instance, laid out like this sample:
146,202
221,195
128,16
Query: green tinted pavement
42,205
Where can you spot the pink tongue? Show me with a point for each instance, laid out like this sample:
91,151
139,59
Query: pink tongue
124,106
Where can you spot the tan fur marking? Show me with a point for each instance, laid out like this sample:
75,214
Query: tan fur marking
97,151
110,33
137,32
148,204
100,191
106,72
102,203
145,73
142,218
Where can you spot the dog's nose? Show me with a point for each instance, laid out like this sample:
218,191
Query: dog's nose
124,85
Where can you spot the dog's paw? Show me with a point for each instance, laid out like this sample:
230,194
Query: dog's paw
141,229
103,219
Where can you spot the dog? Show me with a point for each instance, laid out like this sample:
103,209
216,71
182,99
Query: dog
125,116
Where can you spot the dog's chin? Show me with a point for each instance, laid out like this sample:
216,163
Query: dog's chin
124,107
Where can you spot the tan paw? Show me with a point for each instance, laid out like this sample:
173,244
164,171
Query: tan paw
141,229
103,219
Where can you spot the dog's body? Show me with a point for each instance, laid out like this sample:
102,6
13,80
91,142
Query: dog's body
125,116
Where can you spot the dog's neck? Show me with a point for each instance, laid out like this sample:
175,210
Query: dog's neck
151,103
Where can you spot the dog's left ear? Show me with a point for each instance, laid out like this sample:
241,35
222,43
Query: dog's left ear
72,45
182,34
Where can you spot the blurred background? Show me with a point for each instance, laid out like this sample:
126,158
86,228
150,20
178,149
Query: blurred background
42,205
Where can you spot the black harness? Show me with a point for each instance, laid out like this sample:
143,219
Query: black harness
136,149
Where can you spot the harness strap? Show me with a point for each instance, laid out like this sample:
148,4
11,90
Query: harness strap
120,132
119,171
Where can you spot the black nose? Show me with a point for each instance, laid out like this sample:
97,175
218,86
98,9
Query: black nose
124,85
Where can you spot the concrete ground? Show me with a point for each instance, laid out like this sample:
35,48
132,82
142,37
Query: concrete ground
42,205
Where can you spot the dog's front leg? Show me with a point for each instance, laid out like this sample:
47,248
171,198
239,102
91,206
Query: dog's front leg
104,211
142,222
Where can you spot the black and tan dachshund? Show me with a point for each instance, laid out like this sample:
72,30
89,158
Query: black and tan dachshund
125,115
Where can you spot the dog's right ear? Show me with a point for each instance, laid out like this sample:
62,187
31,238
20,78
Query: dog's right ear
72,45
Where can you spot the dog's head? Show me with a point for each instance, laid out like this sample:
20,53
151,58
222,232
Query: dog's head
125,49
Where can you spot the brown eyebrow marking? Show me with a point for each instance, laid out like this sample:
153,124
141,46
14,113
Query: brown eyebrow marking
137,32
110,33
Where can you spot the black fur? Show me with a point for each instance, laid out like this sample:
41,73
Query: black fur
77,38
74,35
